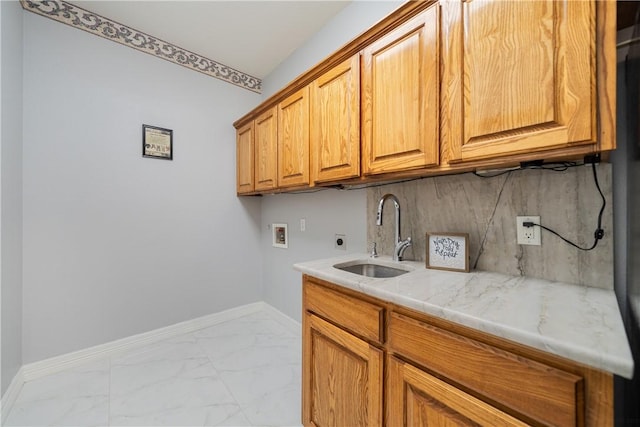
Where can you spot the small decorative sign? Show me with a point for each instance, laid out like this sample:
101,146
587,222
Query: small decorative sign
448,251
280,236
157,142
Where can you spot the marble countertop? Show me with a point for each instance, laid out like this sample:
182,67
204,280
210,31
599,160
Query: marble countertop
577,322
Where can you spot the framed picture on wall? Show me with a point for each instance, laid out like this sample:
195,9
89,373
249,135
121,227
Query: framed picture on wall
157,143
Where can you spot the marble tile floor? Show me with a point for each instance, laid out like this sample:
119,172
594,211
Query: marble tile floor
243,372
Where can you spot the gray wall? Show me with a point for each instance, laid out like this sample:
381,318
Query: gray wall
486,208
341,29
11,190
327,212
116,244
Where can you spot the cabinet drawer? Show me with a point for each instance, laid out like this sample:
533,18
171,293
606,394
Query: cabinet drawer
360,317
538,392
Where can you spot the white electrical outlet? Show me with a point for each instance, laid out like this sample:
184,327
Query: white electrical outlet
303,224
340,241
528,235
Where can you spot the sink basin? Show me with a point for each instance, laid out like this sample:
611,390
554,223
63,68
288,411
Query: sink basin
369,269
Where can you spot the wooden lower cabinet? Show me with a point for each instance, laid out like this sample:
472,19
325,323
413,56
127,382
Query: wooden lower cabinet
368,362
415,398
343,381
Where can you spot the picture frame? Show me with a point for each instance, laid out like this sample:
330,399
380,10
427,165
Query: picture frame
280,235
448,251
157,142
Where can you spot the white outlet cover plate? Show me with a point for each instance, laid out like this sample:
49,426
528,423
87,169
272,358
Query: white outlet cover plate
528,235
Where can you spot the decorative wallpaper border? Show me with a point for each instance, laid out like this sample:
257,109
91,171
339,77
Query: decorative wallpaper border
90,22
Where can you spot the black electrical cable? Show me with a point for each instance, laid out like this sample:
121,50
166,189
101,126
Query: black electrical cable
382,184
504,172
555,167
598,234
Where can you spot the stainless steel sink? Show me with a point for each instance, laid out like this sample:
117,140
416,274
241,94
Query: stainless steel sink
370,269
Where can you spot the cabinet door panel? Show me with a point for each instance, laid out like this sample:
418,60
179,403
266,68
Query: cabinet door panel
400,97
335,122
342,377
293,140
518,76
416,398
244,159
266,159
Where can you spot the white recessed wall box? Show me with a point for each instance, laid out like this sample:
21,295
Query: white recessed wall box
280,236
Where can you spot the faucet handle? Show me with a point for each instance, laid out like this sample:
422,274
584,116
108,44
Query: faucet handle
374,251
401,247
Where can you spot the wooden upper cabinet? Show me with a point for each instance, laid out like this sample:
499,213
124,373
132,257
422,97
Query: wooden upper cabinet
244,159
335,122
266,159
293,140
518,76
400,97
415,398
343,377
439,87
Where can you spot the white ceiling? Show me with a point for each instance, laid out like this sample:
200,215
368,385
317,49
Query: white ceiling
250,36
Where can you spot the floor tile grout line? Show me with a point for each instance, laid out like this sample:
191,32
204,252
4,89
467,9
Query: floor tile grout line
287,333
226,386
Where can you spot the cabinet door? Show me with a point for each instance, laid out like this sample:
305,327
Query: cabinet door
335,122
342,377
400,107
415,398
244,159
518,76
266,159
293,140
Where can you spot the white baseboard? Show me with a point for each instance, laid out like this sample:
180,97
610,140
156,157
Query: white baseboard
55,364
289,323
10,396
52,365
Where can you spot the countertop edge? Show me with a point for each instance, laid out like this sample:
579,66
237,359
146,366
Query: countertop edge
621,364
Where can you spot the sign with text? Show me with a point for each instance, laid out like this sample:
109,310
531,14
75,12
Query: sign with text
157,142
448,251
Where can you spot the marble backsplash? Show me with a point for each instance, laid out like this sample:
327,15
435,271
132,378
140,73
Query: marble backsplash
486,208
